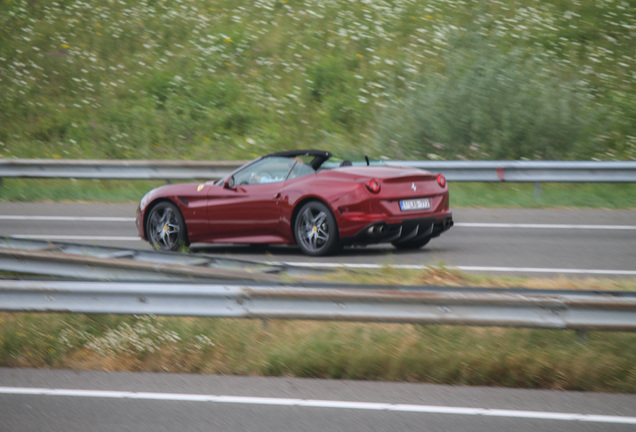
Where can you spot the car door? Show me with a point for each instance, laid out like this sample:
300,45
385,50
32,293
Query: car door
249,204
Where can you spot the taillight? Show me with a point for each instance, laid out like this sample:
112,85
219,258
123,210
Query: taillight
373,185
441,180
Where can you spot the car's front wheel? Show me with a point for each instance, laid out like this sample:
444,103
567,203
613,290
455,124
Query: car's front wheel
316,230
165,227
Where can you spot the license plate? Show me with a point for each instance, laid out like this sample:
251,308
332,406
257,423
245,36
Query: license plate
415,204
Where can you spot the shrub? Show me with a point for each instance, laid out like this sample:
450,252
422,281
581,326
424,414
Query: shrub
491,105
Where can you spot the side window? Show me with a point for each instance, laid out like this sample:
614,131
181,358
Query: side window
300,169
269,170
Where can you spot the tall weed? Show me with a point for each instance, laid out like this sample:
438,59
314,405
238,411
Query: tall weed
486,104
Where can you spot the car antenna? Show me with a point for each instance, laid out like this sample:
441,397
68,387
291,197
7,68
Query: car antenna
366,158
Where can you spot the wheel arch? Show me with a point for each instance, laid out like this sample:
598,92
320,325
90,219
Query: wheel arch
300,205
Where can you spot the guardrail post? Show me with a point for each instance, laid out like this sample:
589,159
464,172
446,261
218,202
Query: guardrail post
537,190
582,336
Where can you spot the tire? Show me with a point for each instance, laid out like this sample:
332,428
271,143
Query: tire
165,227
409,245
316,230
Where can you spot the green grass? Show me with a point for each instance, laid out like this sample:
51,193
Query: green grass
516,195
525,195
543,359
57,190
405,79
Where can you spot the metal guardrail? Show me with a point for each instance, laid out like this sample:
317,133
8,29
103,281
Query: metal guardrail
152,282
579,311
459,171
115,169
530,171
77,261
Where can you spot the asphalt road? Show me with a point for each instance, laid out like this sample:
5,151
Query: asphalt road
69,401
549,241
522,241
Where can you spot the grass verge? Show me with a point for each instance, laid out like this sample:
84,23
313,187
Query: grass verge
334,350
57,190
440,275
516,195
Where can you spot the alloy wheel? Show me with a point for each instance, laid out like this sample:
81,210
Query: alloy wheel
165,227
316,230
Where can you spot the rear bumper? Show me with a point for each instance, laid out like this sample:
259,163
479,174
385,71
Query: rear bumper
405,230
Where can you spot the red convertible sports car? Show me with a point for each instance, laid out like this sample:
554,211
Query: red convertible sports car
295,198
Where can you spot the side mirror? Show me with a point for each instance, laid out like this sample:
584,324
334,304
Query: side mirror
229,183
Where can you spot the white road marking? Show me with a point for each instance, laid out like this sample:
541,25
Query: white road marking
73,237
313,403
543,226
548,270
459,267
67,218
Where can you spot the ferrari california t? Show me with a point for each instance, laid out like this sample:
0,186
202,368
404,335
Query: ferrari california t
298,198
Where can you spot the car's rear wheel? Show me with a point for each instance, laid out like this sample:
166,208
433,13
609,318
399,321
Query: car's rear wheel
165,227
414,244
316,230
